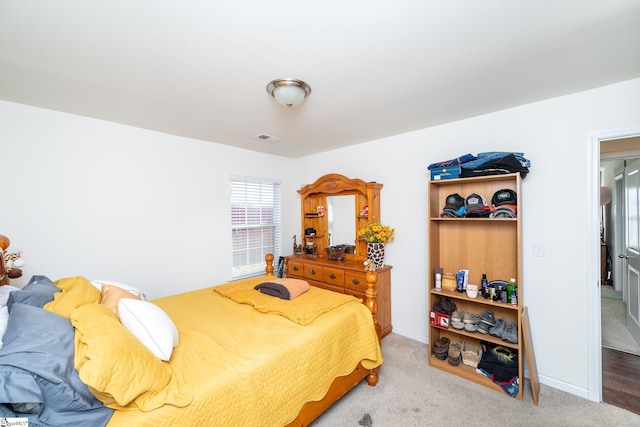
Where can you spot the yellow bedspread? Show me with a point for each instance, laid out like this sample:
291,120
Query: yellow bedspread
249,368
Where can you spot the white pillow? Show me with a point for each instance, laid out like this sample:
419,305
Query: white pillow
4,319
150,324
4,293
131,289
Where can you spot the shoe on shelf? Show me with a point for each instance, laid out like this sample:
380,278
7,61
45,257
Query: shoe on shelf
457,316
437,306
448,306
488,318
470,327
498,329
483,328
471,318
442,342
455,354
470,321
455,320
457,325
441,348
511,333
440,356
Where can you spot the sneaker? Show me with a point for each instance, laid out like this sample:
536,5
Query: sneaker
455,320
457,316
488,318
472,318
470,321
511,333
470,327
483,328
457,325
498,329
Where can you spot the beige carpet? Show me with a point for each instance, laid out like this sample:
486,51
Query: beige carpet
614,331
411,393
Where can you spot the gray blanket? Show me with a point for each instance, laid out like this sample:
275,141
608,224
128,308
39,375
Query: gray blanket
37,372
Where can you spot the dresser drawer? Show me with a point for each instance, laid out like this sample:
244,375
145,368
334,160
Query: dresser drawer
333,276
355,281
313,272
295,268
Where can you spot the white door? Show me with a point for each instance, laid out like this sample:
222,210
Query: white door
618,233
632,249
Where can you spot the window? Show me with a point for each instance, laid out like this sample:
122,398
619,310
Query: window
255,224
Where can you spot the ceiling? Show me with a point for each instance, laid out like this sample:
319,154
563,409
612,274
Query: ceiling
199,68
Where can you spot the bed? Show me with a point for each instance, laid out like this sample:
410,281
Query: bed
223,355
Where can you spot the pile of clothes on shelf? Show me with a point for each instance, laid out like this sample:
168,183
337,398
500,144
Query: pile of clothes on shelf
489,163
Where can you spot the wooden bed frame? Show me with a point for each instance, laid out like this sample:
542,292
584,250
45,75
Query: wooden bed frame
341,385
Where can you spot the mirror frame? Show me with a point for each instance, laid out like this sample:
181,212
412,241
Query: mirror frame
367,194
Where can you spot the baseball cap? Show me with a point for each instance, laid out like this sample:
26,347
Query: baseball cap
505,211
454,201
476,206
505,196
454,206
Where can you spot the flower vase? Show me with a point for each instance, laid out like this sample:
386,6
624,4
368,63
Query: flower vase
375,252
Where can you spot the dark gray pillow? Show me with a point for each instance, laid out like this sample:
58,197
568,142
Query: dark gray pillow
34,298
42,284
37,293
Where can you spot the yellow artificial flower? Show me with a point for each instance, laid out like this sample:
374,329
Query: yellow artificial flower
376,233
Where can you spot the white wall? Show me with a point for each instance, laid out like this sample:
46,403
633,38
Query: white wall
102,200
554,135
78,189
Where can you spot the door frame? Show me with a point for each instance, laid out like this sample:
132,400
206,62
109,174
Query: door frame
594,326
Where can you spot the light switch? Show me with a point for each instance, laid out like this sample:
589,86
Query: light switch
538,249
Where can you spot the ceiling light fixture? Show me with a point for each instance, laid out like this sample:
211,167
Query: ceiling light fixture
289,92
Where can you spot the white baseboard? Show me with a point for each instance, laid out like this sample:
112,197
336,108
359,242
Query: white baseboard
563,386
416,337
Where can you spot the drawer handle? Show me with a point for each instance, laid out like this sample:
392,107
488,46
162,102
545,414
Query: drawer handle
295,268
332,276
312,272
355,281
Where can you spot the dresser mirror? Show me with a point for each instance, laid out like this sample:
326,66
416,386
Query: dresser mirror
341,217
335,207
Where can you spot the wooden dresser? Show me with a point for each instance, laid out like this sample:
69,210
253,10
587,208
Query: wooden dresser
346,277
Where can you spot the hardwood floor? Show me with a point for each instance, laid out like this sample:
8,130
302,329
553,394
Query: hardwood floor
621,379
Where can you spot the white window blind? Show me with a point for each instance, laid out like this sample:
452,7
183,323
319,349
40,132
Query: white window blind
255,224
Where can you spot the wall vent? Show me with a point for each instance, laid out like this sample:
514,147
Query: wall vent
267,138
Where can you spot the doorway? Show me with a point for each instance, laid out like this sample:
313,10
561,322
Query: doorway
619,328
617,156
